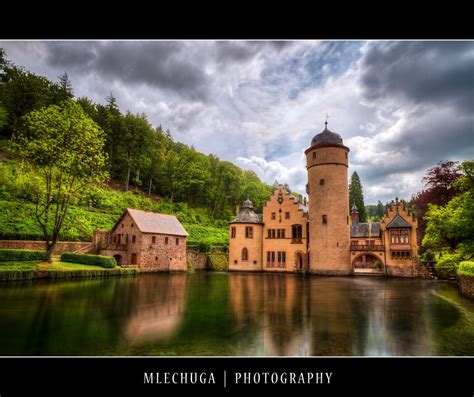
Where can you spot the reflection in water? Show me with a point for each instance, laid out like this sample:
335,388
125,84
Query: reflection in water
235,314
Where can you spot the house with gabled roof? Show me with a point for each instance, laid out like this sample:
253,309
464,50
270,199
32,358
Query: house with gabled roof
149,240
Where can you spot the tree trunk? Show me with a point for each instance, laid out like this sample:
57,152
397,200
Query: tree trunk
128,179
149,188
49,252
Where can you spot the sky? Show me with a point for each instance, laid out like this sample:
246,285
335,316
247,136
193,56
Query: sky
400,106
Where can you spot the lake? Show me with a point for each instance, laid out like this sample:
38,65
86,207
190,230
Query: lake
241,314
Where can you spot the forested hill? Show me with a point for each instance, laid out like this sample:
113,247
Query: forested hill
140,156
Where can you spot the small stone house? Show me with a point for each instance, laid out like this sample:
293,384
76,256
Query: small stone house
149,240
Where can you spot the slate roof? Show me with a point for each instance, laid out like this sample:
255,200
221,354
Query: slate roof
326,138
153,222
247,214
362,229
398,221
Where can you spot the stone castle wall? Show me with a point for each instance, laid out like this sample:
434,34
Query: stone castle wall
61,246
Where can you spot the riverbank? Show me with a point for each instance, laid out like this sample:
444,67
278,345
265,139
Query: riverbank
29,270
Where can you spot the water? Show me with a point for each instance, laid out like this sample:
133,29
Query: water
235,314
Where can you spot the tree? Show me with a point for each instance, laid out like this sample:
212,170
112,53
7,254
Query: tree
66,147
439,190
63,88
356,196
3,116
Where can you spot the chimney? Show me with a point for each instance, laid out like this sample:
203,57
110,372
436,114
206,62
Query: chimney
237,209
354,214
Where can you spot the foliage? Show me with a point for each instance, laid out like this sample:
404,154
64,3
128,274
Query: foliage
66,148
21,255
375,212
451,225
57,270
466,268
447,264
190,267
439,190
219,262
356,196
378,264
86,259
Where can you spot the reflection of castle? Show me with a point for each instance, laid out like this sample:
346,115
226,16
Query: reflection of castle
292,235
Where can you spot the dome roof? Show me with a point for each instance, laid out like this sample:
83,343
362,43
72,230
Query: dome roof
326,138
247,214
247,204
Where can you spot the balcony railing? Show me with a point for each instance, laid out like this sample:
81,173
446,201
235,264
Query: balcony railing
372,247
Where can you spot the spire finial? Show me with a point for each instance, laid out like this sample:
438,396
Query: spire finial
326,122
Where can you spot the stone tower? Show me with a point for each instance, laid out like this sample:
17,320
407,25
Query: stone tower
245,243
329,233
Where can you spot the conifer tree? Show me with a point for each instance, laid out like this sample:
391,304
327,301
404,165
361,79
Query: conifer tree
356,196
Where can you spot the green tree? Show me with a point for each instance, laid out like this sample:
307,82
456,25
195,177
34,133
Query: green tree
356,196
3,116
66,147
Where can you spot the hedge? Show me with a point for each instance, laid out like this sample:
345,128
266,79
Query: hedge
86,259
22,255
466,268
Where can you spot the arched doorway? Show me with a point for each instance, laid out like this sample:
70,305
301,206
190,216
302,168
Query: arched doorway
367,263
300,261
118,258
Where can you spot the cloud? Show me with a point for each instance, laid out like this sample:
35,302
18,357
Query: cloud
401,107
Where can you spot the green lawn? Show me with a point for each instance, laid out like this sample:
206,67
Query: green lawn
18,265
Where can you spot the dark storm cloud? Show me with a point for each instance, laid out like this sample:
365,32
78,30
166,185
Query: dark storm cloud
424,72
159,64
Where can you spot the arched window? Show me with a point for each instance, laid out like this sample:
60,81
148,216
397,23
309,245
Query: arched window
245,254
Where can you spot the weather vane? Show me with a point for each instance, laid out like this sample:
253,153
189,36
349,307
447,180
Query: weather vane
326,123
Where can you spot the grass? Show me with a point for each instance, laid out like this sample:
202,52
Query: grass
27,270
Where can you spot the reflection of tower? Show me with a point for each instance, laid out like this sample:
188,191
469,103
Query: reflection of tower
329,237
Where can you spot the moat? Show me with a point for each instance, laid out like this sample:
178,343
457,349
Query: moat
235,314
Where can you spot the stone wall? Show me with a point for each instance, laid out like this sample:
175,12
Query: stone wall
199,260
466,285
61,246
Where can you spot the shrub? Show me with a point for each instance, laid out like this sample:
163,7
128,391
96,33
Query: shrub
22,255
219,262
446,265
86,259
203,247
466,268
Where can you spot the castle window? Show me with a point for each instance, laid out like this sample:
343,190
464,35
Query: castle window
273,233
321,182
248,231
153,240
273,215
296,233
325,219
177,241
314,157
156,258
270,258
134,239
132,224
232,232
346,155
281,256
235,261
166,240
245,254
123,224
254,262
287,215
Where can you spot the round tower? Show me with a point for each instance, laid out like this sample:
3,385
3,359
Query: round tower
329,234
245,243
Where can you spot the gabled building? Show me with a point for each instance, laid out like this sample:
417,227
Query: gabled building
321,237
149,240
275,240
388,247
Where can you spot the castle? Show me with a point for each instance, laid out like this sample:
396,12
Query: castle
319,236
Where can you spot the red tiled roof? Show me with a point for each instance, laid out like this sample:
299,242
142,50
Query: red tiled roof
153,222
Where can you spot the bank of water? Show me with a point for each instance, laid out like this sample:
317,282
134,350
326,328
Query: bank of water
211,313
